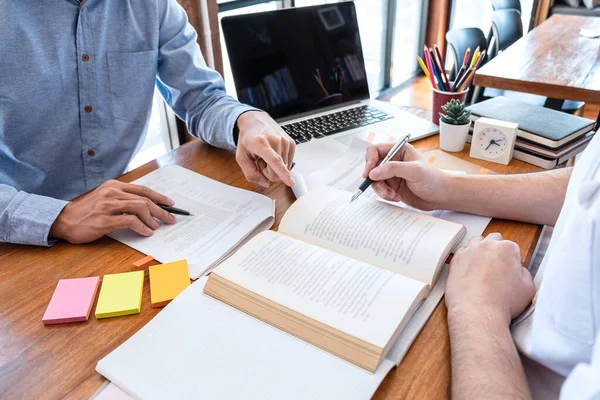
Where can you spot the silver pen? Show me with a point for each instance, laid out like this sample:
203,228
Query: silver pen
393,151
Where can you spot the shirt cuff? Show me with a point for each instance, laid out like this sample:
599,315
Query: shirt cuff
232,123
31,221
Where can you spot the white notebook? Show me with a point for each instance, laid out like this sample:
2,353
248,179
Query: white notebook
200,348
224,217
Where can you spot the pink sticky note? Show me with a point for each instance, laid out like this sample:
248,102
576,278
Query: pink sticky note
72,300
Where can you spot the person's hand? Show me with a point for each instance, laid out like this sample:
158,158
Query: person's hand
265,152
112,206
407,177
486,278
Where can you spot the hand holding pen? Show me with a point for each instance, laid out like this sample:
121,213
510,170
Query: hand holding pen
391,154
407,177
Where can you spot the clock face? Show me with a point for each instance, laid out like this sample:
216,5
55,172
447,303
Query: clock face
492,142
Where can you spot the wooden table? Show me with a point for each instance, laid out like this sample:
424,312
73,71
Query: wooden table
553,60
58,361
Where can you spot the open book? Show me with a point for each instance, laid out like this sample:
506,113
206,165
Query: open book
343,276
223,218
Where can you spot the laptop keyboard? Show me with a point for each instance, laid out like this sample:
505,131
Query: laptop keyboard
303,131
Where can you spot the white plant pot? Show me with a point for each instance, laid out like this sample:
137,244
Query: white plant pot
453,137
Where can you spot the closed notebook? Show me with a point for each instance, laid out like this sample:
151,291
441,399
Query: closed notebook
547,127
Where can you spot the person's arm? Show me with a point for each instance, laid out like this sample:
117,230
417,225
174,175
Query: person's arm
26,218
486,288
31,219
197,95
535,197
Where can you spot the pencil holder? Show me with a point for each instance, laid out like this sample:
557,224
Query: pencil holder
332,100
440,98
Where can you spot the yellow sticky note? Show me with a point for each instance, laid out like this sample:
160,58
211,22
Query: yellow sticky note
167,281
121,294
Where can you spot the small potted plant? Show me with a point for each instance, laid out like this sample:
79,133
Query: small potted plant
454,126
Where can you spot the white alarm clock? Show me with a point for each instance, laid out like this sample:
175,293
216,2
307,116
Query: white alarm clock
494,140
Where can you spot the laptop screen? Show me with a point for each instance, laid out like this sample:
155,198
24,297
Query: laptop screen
294,61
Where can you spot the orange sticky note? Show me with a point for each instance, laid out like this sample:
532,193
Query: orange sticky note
143,262
72,300
431,160
167,281
371,137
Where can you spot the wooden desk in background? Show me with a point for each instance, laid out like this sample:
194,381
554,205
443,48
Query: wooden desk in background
58,361
553,60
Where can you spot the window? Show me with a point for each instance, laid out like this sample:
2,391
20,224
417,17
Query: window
390,45
468,13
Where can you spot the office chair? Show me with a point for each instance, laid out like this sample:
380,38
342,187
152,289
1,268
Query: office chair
506,5
459,40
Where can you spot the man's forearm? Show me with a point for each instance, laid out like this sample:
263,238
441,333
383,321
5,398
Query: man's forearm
485,363
535,198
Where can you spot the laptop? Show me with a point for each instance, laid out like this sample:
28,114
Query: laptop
305,67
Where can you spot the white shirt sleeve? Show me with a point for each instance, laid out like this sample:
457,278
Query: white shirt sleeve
584,381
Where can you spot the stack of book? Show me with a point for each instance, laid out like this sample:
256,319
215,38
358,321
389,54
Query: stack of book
546,138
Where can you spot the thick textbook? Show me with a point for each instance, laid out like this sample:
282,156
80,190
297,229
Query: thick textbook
345,277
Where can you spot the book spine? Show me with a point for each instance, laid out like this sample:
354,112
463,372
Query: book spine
282,86
289,82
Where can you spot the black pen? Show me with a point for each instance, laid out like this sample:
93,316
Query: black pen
174,210
393,151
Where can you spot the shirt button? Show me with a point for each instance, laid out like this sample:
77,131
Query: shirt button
91,152
85,57
87,109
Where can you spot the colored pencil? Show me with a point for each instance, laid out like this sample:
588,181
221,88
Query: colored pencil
428,64
431,71
322,86
423,67
438,75
481,59
463,79
467,57
461,71
475,56
442,66
467,80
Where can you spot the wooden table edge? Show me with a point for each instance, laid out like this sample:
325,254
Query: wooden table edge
540,88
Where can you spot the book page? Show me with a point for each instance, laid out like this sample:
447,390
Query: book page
200,348
474,224
351,296
223,216
389,237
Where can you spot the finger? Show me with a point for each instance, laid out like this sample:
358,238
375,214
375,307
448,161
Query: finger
474,240
285,152
384,191
147,192
132,222
275,162
495,236
371,160
250,169
396,169
139,208
408,153
291,153
154,209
